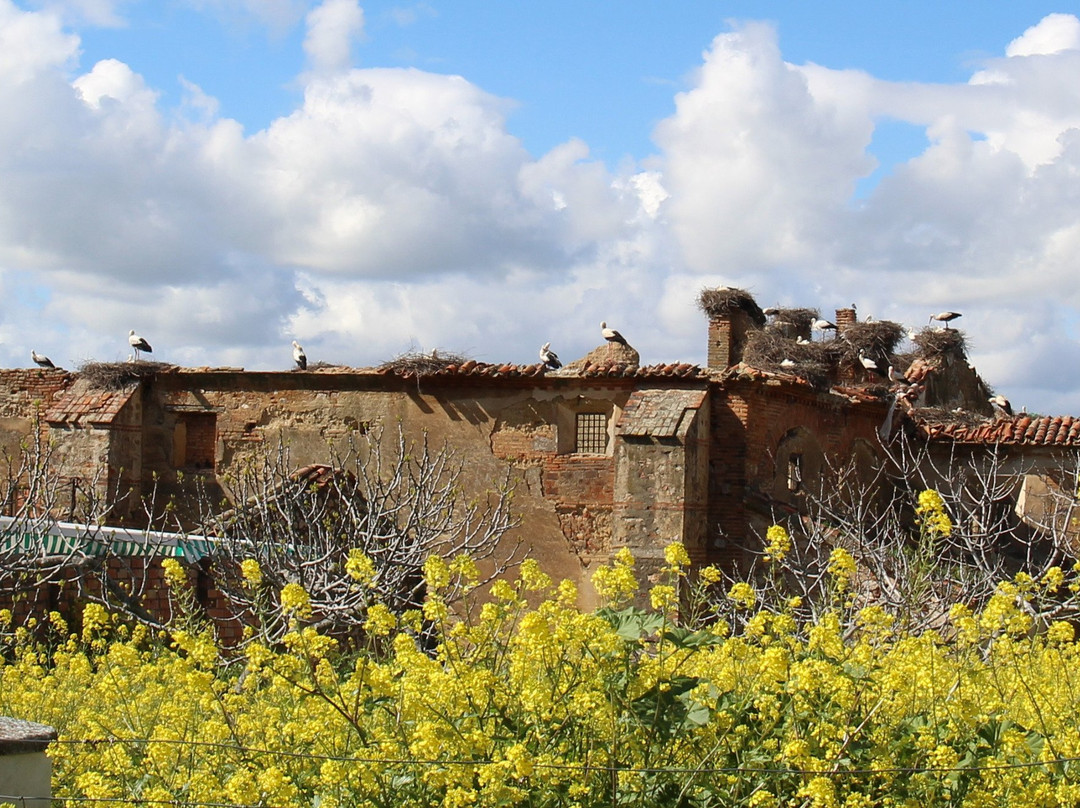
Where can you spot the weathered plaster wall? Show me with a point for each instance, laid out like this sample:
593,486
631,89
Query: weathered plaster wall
563,499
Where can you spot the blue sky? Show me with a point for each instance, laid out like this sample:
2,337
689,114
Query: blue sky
228,175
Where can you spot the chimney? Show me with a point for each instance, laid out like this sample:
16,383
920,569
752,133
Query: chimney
845,318
727,338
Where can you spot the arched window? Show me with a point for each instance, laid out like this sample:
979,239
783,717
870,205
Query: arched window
798,467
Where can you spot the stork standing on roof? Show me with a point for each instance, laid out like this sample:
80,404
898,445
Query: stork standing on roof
1002,404
611,335
138,343
945,317
549,357
40,360
298,355
871,365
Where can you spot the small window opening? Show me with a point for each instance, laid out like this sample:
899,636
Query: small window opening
592,433
794,472
195,441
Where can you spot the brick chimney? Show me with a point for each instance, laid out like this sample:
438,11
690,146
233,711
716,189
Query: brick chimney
727,338
845,318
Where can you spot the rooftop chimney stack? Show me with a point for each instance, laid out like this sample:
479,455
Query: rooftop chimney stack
845,318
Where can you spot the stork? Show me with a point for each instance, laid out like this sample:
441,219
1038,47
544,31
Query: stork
138,343
895,377
870,364
611,335
822,326
945,317
298,355
1002,404
40,360
549,357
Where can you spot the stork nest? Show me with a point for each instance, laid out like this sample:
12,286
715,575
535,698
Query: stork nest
723,301
932,342
814,362
940,415
118,375
875,339
800,318
415,363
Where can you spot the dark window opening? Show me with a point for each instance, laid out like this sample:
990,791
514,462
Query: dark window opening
794,472
195,441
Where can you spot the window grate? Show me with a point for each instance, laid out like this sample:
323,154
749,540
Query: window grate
592,433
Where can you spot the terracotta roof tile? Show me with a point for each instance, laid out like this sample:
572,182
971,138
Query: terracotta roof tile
83,404
592,370
657,413
1022,430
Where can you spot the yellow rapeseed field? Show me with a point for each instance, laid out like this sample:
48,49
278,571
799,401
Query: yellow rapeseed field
521,698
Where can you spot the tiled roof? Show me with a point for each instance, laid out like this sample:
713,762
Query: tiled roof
657,413
83,404
607,370
1023,430
854,394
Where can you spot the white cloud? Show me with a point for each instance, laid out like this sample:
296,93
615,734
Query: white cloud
1053,34
332,27
395,207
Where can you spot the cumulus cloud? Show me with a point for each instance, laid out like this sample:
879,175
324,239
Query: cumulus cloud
395,207
332,27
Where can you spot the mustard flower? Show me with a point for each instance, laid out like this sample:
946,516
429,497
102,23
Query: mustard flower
711,575
932,515
743,595
380,620
359,567
436,573
532,577
777,543
841,568
295,600
251,571
662,597
175,576
675,555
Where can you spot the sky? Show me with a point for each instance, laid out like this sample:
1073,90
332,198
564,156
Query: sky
226,176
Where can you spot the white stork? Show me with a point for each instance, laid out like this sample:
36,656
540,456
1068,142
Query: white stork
945,317
298,355
138,343
40,360
1002,404
549,357
822,326
611,335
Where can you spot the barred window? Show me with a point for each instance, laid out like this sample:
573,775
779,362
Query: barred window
592,433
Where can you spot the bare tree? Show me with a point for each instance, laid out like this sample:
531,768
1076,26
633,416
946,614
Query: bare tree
353,531
911,566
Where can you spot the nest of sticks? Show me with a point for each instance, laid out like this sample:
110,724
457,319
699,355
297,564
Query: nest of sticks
878,340
797,319
118,375
940,415
725,300
931,342
813,362
415,363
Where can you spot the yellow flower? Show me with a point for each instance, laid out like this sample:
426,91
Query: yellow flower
932,515
777,543
675,555
295,601
175,576
251,571
841,568
380,620
359,567
532,577
743,595
662,597
436,573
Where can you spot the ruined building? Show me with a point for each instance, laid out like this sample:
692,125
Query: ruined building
605,452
